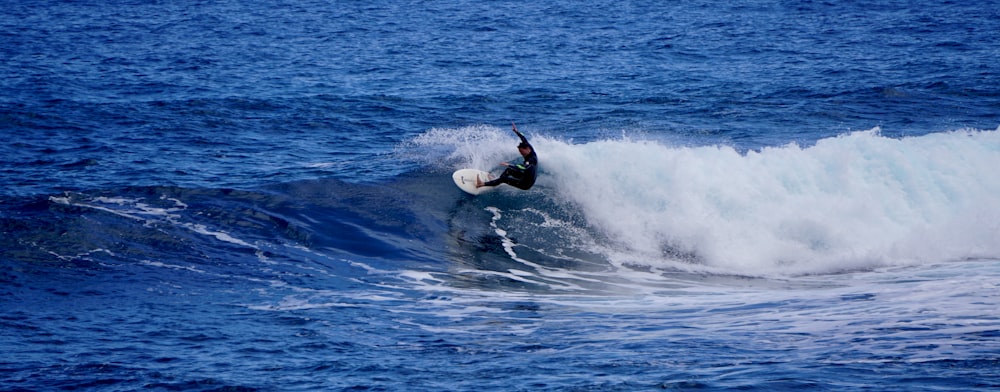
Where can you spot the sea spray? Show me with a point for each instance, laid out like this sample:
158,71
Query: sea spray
856,201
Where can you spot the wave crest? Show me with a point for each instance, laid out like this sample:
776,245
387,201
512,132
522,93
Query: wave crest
857,201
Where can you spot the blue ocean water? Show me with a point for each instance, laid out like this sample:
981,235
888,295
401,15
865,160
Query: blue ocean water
746,195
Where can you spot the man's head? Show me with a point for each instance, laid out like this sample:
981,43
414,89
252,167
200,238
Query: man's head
524,148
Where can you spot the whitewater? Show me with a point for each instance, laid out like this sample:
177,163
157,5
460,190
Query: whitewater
853,202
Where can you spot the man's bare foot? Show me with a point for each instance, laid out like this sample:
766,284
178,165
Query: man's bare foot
479,182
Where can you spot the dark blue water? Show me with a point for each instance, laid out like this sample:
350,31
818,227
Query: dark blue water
752,195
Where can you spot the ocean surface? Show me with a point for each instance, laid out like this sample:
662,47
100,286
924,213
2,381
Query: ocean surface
739,195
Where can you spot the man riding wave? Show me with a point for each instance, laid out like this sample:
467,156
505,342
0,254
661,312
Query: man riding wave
520,175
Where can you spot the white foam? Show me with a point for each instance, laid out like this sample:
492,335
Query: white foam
855,201
139,210
171,266
219,235
480,147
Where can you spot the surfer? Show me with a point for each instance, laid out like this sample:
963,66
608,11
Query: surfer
517,175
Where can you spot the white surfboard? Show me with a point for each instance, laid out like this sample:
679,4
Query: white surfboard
466,180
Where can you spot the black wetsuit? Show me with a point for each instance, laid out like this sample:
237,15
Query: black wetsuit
520,176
